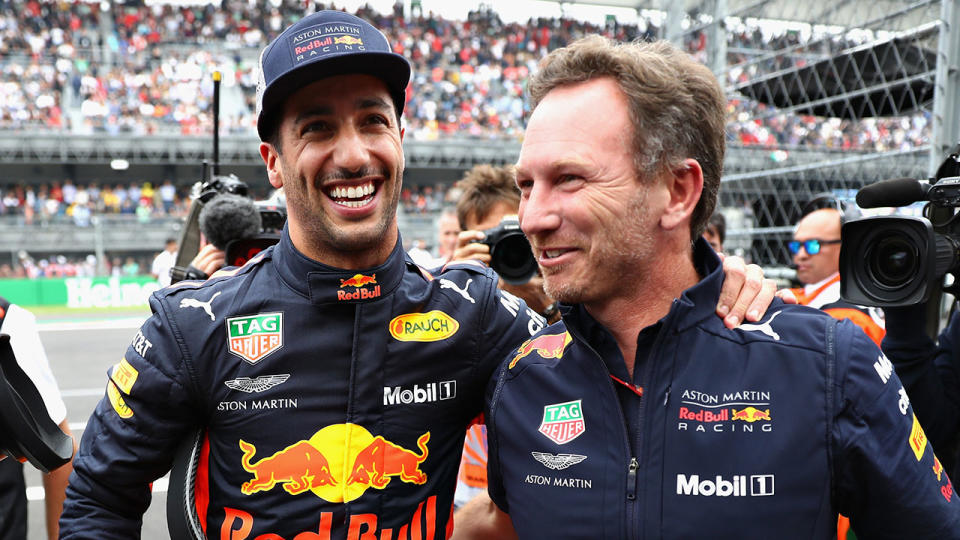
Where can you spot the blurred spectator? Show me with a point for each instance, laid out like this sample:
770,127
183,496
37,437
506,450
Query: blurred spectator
163,262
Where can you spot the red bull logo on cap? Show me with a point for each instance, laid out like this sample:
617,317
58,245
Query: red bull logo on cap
563,422
338,464
255,336
547,346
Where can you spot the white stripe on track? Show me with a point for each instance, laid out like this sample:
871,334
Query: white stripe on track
36,493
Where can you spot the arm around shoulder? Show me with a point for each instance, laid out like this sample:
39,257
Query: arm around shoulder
481,519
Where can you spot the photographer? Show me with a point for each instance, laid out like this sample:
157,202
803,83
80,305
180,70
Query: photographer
489,195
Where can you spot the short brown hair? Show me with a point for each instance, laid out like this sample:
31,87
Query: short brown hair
677,107
484,186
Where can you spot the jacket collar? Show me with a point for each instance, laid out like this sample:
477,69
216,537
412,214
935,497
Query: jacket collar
323,284
694,305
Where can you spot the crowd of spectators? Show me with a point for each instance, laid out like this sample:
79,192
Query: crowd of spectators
145,69
59,201
63,266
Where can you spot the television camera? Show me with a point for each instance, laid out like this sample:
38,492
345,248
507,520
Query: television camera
888,261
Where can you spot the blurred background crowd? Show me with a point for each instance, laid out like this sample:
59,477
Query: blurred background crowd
140,69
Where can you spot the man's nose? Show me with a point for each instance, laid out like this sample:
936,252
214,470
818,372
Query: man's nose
351,151
539,211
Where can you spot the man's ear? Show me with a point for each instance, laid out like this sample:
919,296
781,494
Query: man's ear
271,158
684,186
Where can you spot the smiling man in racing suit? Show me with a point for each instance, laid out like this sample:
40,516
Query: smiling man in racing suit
639,415
331,377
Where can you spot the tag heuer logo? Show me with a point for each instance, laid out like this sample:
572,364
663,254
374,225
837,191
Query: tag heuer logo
563,422
255,336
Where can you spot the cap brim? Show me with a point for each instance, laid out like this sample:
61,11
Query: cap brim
393,69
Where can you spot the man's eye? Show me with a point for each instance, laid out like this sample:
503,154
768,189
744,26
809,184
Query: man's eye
377,119
316,126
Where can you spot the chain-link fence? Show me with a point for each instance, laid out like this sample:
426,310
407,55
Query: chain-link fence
825,97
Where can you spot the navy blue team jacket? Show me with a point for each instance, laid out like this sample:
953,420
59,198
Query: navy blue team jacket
333,402
766,431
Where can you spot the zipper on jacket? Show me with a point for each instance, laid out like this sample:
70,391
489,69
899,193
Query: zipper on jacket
632,479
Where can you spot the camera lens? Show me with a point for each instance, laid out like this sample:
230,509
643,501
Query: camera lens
892,262
512,258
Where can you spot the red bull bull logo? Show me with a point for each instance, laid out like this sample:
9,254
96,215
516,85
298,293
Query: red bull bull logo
937,468
361,285
299,467
338,464
382,459
547,346
750,414
347,40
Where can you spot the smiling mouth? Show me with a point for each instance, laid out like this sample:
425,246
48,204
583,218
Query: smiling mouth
554,253
353,196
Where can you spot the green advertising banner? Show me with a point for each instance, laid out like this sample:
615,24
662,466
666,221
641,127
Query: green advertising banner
79,292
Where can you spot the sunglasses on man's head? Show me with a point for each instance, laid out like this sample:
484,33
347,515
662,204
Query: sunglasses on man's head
812,246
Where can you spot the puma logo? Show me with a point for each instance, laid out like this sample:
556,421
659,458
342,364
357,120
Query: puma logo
763,327
447,284
193,302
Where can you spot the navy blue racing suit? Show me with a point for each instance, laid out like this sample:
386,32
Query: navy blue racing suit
333,403
931,374
765,431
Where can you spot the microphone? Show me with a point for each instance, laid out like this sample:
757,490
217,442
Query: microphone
229,217
895,192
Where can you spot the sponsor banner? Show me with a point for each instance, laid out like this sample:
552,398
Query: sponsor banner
80,293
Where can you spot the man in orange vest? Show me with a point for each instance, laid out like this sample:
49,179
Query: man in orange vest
816,254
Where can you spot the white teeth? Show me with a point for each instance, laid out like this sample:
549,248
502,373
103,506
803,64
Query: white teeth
551,253
352,192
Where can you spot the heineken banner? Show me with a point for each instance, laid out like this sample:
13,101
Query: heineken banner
79,292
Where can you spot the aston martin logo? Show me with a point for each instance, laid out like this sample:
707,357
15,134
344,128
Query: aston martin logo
257,384
557,462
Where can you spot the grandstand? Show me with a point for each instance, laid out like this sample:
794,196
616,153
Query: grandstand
824,96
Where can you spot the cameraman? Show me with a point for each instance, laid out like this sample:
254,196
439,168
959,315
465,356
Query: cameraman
489,195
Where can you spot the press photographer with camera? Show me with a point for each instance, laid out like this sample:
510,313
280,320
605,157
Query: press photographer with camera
490,233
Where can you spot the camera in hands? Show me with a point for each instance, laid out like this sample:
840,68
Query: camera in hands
891,261
510,253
